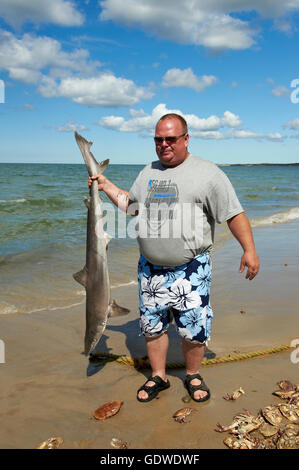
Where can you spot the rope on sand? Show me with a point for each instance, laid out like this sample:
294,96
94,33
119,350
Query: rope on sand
143,363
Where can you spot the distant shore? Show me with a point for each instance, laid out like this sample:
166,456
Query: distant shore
258,164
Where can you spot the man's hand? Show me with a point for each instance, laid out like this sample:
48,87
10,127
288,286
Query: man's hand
251,260
240,227
101,181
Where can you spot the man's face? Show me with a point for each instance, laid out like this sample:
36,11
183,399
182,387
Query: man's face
171,154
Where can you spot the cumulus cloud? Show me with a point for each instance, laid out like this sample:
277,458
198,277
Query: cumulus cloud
212,24
243,134
71,126
25,58
61,12
142,122
186,78
42,61
102,90
281,91
210,128
181,21
293,124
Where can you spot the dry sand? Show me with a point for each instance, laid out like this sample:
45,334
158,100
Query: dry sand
49,388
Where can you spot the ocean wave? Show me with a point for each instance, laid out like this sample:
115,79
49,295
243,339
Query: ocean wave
130,283
6,309
278,218
12,201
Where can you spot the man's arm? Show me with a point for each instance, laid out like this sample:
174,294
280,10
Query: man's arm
240,227
118,196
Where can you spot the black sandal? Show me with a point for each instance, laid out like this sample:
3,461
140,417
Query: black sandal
193,388
154,390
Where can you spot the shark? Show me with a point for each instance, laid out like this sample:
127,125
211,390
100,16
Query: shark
95,275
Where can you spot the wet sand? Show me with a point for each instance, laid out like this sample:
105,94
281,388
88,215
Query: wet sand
49,388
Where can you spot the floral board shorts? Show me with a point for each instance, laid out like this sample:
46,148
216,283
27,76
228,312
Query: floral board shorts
183,291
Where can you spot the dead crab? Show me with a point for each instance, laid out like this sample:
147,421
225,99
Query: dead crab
118,443
235,395
242,424
181,414
268,430
246,442
51,443
107,410
286,389
272,414
288,438
290,411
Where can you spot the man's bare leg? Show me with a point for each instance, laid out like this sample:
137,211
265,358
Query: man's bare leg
157,348
193,353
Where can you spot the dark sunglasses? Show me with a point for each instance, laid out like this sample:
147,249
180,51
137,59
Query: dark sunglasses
171,139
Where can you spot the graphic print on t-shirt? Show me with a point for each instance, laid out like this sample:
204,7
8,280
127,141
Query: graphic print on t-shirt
160,207
161,199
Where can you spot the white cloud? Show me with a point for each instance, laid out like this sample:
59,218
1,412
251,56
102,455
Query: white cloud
281,91
181,21
203,23
203,128
102,90
294,124
186,78
209,135
141,121
242,134
29,107
41,61
61,12
71,126
26,58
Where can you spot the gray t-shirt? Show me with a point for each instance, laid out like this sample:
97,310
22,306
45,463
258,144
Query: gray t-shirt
178,207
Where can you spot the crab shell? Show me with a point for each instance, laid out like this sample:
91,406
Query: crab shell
272,414
286,385
234,442
288,439
181,414
268,430
51,443
291,412
285,394
235,395
118,443
107,410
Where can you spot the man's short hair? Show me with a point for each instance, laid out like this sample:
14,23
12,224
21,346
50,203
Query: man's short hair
175,116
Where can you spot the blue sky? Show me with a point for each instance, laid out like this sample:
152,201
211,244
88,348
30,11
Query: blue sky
109,69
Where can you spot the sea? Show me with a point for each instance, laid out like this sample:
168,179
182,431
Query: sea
43,227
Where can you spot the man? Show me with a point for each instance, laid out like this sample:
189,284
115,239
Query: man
174,269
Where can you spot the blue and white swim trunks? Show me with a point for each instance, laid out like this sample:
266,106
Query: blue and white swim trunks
183,291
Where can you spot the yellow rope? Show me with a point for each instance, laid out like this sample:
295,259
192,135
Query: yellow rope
140,363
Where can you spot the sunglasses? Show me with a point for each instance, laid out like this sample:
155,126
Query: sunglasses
171,139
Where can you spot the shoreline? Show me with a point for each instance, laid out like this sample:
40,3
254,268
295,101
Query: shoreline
49,387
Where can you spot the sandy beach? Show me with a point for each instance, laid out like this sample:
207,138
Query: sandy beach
49,388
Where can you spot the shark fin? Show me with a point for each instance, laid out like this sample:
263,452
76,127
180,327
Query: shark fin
115,310
81,276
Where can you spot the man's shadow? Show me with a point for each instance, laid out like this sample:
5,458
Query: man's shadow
135,343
